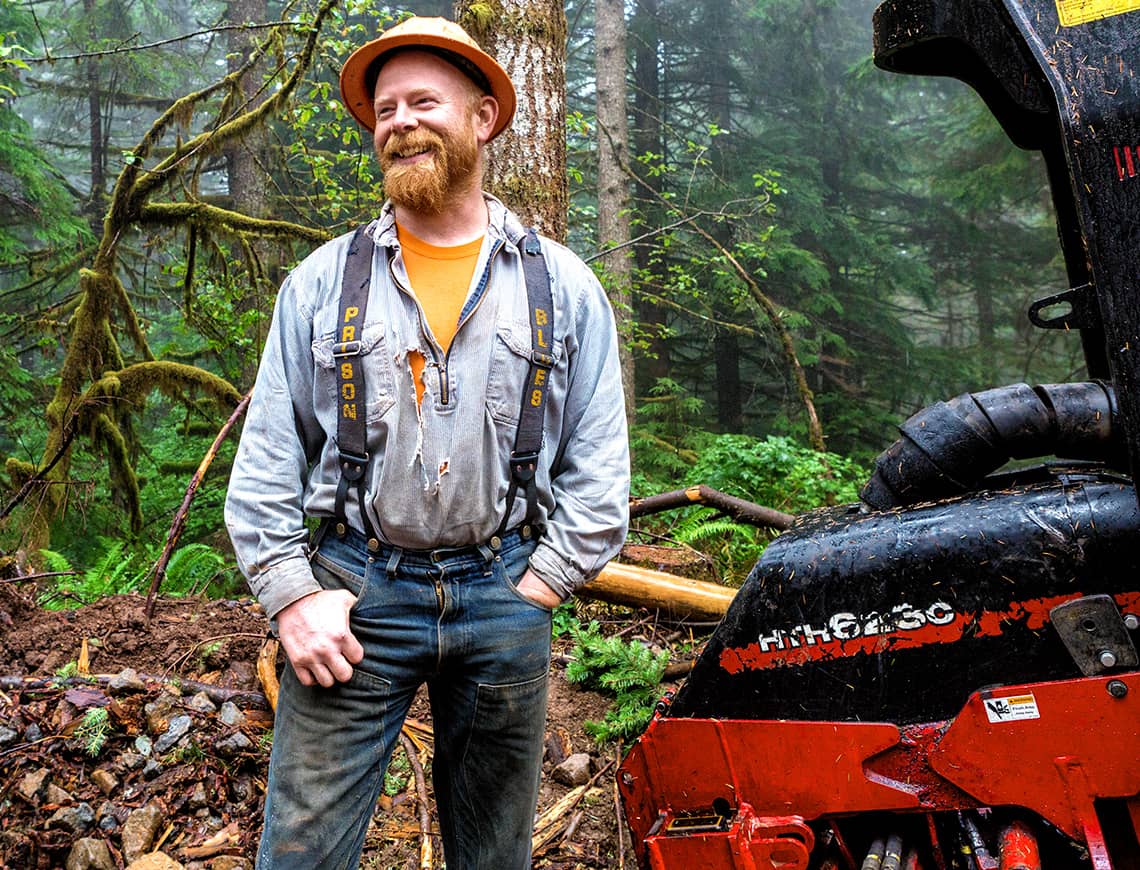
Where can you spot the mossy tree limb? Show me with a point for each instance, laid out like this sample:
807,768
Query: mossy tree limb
102,388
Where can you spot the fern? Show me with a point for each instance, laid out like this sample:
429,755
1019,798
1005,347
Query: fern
191,567
56,562
628,670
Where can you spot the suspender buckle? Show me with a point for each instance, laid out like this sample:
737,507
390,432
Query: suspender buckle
347,348
352,466
523,466
542,359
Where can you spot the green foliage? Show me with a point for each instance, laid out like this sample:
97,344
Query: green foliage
119,569
777,472
564,619
628,670
396,776
93,730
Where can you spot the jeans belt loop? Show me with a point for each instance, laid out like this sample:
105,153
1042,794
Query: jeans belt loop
393,562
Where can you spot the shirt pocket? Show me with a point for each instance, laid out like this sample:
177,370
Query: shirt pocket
379,379
508,376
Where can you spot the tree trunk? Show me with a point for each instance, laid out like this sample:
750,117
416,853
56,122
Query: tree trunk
527,163
613,184
98,157
653,363
244,158
719,22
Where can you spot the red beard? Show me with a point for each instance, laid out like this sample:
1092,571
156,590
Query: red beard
425,186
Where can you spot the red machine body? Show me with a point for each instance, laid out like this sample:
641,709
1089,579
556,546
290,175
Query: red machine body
944,676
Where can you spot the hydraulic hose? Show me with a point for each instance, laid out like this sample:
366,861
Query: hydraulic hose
948,448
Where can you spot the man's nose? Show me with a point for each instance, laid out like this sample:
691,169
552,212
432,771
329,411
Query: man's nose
404,118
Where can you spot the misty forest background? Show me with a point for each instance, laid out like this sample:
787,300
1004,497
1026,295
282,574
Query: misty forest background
802,249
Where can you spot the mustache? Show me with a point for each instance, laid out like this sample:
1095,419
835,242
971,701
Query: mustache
412,142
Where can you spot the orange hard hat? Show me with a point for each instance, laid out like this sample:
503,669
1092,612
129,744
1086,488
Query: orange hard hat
439,36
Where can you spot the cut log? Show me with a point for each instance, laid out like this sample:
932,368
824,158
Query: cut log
677,597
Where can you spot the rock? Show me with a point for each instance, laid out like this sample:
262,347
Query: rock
126,681
132,761
139,831
107,816
574,771
90,854
53,794
235,744
33,733
151,770
155,861
201,703
179,727
144,745
32,785
158,712
231,862
76,819
231,715
198,797
104,780
8,736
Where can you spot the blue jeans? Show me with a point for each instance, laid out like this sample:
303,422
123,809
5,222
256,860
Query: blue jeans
456,621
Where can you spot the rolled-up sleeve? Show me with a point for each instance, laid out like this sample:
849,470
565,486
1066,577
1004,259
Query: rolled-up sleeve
264,503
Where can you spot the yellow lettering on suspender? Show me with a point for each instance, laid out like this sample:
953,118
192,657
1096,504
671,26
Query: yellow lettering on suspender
536,398
350,313
346,371
348,333
542,339
539,377
348,411
348,392
541,317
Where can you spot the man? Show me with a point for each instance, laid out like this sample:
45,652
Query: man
392,420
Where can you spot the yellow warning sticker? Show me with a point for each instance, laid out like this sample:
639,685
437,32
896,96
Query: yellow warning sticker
1073,12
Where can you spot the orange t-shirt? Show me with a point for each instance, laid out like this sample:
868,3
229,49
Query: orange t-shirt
440,279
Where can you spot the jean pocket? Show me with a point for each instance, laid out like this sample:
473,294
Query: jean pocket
511,579
332,575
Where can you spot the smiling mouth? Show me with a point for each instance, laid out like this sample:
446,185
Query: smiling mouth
412,155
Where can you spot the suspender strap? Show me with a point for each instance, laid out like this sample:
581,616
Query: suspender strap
350,432
528,437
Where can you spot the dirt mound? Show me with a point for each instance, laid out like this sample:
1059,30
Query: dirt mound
185,742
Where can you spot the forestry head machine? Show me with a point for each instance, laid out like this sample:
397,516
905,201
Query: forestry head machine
944,676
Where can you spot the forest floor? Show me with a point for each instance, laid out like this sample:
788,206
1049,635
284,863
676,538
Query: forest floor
182,766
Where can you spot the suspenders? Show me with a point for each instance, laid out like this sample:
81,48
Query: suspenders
528,437
350,436
350,429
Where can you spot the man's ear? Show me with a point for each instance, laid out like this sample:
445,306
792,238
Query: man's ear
485,116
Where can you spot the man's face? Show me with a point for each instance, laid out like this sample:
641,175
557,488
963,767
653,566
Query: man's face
430,124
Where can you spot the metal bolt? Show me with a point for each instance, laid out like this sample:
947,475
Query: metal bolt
1107,658
1117,688
627,777
1131,621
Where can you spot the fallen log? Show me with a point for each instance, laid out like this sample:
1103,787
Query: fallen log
677,597
737,508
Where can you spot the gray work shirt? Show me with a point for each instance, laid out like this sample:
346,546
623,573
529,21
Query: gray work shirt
438,474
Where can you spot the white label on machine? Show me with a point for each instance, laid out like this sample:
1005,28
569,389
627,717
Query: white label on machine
1013,708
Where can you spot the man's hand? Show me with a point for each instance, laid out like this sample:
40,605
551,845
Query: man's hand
537,591
315,635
